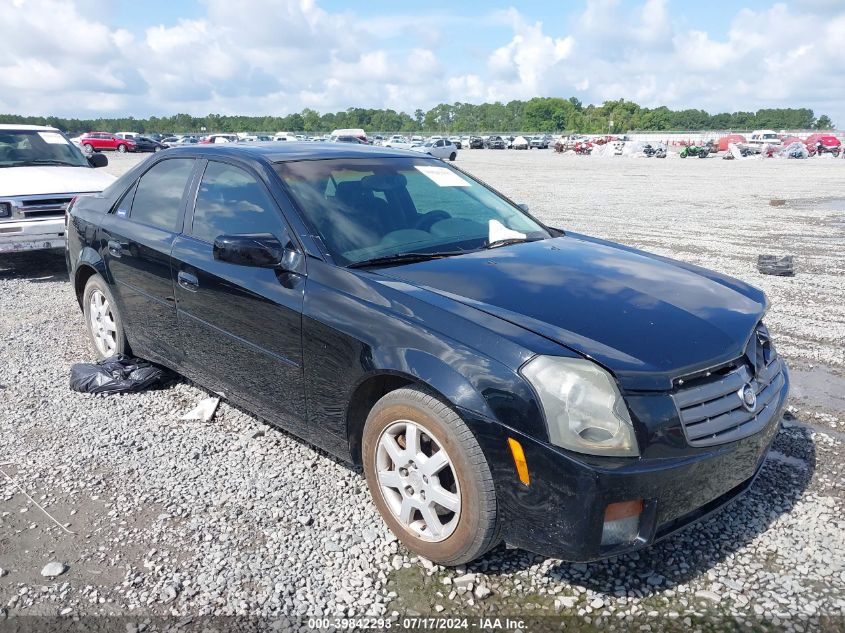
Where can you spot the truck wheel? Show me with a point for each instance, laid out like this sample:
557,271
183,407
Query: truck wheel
428,477
121,148
102,320
453,156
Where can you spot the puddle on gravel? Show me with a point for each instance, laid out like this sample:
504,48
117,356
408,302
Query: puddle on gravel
818,387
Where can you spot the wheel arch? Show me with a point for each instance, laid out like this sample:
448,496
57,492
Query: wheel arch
414,368
88,265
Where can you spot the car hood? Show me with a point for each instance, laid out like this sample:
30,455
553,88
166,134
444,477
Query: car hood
646,318
45,179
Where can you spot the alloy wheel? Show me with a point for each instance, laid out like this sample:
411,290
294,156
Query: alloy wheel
101,322
418,481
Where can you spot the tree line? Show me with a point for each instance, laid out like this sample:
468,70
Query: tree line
541,114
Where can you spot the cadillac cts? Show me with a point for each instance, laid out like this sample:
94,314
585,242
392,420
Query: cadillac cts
497,379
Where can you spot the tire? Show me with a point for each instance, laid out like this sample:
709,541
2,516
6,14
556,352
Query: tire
453,156
704,154
473,527
88,148
157,149
95,289
121,148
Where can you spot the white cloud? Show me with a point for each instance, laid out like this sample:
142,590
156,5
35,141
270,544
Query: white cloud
279,56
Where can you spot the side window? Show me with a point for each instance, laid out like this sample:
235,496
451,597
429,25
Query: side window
231,201
158,198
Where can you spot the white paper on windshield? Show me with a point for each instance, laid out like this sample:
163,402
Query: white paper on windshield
498,231
54,138
441,176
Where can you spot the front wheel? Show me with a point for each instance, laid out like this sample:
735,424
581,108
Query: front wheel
121,148
428,477
102,319
88,149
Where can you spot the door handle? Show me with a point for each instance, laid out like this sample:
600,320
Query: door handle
188,281
115,248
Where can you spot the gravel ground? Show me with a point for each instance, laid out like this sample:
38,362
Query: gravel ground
233,517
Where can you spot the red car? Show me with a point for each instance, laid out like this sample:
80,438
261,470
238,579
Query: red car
823,143
103,140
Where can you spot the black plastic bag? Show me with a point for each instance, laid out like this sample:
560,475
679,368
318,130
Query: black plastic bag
116,374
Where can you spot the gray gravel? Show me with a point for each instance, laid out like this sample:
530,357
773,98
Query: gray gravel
232,517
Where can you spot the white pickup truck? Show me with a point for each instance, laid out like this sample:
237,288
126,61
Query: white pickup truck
40,172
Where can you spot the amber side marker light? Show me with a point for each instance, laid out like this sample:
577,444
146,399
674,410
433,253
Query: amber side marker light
621,522
519,460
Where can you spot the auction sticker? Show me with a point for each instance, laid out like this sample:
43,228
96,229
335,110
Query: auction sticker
54,138
441,176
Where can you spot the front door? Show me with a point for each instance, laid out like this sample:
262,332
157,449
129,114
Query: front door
138,235
241,326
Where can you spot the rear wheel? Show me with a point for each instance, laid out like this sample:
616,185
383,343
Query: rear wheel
453,156
429,478
102,319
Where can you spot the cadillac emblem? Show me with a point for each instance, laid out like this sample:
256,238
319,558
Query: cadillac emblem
748,397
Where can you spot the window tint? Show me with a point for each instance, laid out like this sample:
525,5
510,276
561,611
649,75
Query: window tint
230,202
159,195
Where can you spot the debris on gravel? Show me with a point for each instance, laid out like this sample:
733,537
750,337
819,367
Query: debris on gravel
51,570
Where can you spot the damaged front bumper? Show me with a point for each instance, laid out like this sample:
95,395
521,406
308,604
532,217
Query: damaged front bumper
32,235
562,512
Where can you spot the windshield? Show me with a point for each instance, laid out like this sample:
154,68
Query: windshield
21,148
367,208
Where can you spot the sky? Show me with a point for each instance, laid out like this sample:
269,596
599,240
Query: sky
84,58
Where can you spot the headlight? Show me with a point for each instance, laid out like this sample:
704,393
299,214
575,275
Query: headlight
584,410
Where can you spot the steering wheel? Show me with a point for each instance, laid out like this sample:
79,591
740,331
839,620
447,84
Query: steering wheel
427,220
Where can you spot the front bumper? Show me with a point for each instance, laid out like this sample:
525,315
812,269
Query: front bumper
32,235
561,512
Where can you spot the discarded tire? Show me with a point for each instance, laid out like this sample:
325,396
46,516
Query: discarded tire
776,265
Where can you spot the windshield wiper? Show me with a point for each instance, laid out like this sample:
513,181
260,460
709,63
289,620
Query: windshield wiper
49,161
511,240
403,258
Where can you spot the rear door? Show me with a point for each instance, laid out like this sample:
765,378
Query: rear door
138,235
241,326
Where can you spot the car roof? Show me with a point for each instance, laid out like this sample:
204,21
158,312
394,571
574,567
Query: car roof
276,152
15,126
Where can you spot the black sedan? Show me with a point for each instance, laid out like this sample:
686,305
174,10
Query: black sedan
495,377
147,144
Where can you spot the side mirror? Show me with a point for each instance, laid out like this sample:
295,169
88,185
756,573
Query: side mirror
261,250
523,206
98,160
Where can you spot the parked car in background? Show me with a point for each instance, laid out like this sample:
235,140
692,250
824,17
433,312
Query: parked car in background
180,140
285,136
398,141
456,141
41,171
476,142
354,140
99,141
540,141
212,139
520,142
760,138
495,142
146,144
356,132
127,135
440,148
495,378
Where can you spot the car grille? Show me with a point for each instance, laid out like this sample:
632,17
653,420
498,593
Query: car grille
35,208
712,412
